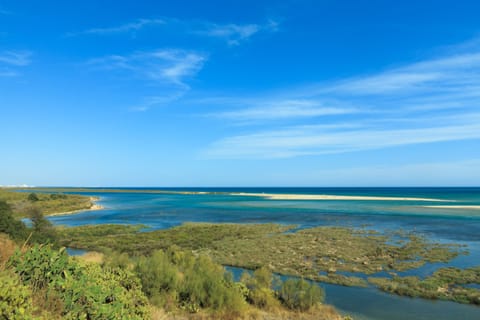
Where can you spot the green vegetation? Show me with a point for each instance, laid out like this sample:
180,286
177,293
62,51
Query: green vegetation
177,279
41,231
48,204
326,254
9,225
445,284
45,283
15,298
299,294
65,288
308,253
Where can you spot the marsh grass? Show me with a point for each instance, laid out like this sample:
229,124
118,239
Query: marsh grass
320,254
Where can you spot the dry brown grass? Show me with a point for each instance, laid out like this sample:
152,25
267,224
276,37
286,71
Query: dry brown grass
92,256
7,248
321,312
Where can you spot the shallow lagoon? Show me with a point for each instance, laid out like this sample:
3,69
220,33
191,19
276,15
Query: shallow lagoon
160,211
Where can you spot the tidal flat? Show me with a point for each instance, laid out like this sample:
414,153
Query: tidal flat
336,255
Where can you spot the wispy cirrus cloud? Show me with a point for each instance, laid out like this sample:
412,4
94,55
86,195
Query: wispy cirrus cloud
435,100
160,100
312,140
123,28
283,109
16,58
12,60
233,33
167,66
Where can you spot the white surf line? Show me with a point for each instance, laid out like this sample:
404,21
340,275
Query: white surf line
276,196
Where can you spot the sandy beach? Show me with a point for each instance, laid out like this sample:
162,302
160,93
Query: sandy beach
273,196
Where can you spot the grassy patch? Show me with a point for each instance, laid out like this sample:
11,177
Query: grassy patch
47,203
445,284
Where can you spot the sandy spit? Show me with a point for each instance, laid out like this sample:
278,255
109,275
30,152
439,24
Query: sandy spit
272,196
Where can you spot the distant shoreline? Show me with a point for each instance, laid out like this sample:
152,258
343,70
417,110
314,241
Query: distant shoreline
269,196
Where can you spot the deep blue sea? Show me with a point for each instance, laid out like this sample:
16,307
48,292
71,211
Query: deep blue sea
459,223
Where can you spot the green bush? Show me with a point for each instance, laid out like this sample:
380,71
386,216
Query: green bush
15,298
33,197
158,275
298,294
86,290
260,292
8,224
43,231
182,280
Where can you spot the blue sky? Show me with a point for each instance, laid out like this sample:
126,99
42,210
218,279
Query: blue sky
240,93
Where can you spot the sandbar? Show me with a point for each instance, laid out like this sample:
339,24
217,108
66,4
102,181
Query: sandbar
277,196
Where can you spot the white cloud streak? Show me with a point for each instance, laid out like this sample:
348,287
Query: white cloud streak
167,66
232,33
436,100
283,109
235,34
124,28
15,58
300,141
11,60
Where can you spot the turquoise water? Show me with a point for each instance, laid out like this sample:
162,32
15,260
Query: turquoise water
160,211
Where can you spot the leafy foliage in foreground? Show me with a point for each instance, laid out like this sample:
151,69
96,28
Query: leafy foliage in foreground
40,282
15,298
85,291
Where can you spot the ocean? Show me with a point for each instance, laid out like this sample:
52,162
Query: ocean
447,215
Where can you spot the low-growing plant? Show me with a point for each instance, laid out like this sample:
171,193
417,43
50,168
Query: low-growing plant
260,291
86,290
298,294
15,298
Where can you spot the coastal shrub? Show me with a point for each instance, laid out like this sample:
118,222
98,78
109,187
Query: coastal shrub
43,230
158,276
178,279
40,265
33,197
56,196
15,298
298,294
86,290
8,224
205,285
260,292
